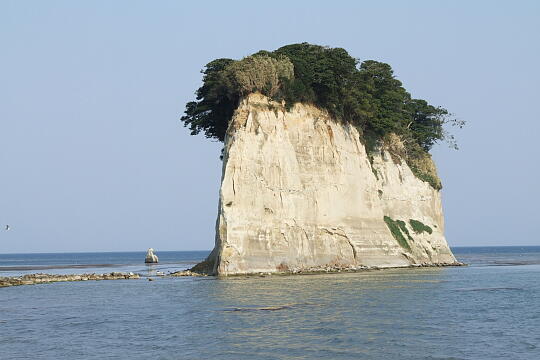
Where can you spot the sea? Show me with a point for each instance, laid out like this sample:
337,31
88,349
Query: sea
489,309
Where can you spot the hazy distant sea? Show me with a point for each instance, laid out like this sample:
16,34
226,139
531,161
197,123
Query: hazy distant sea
488,310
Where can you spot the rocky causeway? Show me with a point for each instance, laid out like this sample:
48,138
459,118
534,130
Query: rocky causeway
31,279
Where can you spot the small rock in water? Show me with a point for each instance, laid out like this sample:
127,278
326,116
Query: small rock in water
151,258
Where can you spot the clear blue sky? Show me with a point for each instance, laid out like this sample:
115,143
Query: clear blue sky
94,158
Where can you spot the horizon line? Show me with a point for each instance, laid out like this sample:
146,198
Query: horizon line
136,251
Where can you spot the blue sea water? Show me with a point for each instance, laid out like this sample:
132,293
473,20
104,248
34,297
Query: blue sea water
488,310
99,262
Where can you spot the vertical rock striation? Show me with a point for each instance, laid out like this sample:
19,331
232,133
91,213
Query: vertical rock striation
299,192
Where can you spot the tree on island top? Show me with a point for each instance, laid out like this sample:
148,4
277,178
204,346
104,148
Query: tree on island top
364,94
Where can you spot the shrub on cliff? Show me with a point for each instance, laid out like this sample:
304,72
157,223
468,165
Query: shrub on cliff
365,94
216,102
259,73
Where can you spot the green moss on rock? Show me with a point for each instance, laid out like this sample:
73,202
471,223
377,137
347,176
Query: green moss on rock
396,227
419,227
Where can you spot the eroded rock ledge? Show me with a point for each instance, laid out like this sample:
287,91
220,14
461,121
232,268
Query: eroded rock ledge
32,279
310,271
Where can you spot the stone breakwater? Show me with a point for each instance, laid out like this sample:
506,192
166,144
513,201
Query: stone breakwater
32,279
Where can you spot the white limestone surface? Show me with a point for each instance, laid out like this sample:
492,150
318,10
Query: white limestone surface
299,193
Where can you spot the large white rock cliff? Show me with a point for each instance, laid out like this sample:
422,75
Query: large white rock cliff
299,193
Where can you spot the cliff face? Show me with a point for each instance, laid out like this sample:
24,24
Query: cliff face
299,192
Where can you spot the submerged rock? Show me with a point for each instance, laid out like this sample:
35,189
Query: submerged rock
151,258
299,192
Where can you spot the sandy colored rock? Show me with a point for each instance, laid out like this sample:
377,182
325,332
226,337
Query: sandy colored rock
150,257
299,192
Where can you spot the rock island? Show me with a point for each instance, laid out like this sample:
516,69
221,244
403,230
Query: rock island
326,164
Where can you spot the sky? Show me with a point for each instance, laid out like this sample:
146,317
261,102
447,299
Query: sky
94,158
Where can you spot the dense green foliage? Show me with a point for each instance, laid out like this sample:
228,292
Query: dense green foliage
215,103
403,228
419,227
365,94
396,227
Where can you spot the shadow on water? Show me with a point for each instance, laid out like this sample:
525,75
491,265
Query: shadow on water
269,308
492,289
